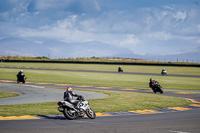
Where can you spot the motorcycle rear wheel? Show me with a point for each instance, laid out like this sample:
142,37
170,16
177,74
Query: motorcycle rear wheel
90,113
69,114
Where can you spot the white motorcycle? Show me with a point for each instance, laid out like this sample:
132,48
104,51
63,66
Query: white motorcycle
71,113
164,72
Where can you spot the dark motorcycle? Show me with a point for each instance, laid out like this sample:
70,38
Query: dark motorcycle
120,69
21,78
156,87
71,112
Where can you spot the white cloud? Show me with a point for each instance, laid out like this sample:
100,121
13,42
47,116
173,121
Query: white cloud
51,4
4,16
168,7
74,17
118,23
198,27
180,16
130,41
65,31
97,6
38,42
64,24
160,36
37,12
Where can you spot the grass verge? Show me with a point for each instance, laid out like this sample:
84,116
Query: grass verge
102,79
115,102
7,94
103,67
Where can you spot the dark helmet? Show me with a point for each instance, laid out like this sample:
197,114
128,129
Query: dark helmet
151,79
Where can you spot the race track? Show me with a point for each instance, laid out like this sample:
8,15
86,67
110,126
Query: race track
39,94
174,122
177,120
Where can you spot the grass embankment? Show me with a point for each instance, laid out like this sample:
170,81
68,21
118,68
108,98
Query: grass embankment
102,79
7,94
115,102
93,59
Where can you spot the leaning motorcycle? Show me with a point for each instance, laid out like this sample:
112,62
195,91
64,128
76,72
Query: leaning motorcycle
120,69
21,78
71,113
156,87
164,73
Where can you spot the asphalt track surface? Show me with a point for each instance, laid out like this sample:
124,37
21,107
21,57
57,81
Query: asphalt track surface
168,121
39,94
176,122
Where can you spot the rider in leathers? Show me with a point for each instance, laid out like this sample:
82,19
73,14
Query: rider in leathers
20,73
68,96
151,82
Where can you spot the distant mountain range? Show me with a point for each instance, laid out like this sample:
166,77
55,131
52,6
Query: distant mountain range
188,57
17,46
57,49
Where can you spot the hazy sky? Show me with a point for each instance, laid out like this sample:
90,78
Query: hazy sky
145,27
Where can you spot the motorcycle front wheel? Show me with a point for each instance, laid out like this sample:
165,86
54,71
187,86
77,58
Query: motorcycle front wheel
90,113
153,89
160,90
69,114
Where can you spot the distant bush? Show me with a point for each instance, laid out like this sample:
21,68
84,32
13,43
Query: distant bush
43,57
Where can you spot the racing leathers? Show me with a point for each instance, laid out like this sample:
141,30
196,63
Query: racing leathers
68,96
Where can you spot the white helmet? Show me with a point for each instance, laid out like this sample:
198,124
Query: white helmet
69,89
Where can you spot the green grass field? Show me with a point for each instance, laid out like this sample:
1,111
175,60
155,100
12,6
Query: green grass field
123,101
102,79
116,101
98,67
